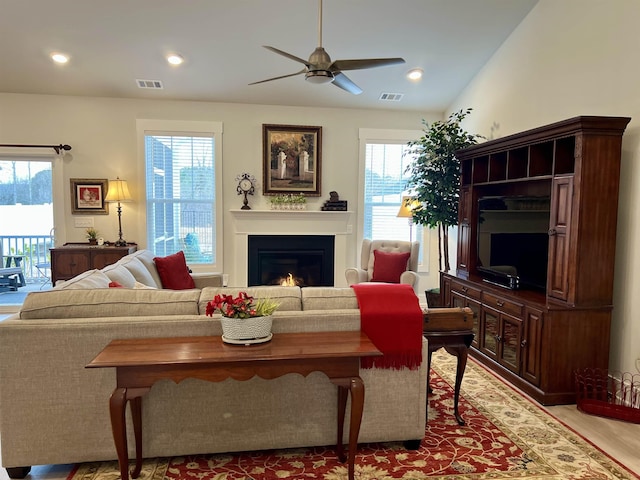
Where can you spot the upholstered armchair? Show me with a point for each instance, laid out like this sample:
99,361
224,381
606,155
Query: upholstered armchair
390,261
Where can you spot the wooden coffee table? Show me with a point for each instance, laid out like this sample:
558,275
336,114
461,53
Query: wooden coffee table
141,362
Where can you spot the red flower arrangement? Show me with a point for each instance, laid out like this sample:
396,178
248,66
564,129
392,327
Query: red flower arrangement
242,306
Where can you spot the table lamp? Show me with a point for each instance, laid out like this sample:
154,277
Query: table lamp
406,211
119,192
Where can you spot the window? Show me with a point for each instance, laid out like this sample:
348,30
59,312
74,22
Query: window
182,185
26,210
384,185
383,163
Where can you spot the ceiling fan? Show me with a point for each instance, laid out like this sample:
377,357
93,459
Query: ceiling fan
320,69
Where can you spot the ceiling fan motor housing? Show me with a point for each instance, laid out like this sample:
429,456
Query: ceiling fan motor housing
319,76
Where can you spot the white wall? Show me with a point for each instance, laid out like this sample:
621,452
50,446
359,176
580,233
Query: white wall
570,58
102,133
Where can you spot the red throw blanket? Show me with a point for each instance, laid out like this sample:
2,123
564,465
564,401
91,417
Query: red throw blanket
391,316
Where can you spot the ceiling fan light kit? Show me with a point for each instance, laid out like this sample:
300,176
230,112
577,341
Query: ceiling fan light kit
319,76
320,69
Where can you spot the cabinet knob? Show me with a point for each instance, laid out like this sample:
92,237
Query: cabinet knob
552,232
464,289
498,338
499,303
523,343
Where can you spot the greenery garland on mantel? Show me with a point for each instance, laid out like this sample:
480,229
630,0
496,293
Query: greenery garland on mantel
288,201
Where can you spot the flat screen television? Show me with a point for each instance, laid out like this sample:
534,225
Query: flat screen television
513,240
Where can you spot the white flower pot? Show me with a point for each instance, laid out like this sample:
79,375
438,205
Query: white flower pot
246,330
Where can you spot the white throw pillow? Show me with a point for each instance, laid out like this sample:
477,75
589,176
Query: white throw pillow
86,280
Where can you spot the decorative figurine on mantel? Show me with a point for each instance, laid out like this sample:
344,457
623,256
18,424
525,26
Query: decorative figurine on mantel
334,204
246,186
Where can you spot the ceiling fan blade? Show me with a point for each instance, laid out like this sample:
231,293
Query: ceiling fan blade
288,55
282,76
365,63
342,81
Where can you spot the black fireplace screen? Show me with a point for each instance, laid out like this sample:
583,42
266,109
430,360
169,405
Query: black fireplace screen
304,260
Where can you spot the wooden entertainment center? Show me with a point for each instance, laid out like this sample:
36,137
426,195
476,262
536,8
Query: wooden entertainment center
539,333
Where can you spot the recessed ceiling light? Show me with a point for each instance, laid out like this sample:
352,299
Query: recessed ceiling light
175,59
59,57
415,74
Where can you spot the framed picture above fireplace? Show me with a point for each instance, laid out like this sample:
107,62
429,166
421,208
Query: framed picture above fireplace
291,159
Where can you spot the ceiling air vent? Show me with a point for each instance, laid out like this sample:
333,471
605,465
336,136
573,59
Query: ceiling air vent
391,97
152,84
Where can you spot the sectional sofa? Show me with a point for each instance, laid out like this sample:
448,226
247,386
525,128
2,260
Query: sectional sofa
55,411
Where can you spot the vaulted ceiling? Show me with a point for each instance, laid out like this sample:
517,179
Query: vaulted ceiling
113,43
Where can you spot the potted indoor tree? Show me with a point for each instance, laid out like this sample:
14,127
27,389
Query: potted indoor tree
434,177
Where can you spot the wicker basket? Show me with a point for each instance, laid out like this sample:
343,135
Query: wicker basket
246,328
609,394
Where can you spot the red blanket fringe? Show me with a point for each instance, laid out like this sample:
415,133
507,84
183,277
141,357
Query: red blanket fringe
391,316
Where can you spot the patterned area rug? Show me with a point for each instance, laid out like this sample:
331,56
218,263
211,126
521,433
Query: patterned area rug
505,437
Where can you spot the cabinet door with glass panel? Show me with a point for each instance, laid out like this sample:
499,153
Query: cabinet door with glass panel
501,338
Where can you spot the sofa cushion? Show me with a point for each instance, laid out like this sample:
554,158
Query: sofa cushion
387,266
289,298
88,279
146,257
328,298
174,272
120,273
109,302
138,269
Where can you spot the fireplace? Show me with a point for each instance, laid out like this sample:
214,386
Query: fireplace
304,260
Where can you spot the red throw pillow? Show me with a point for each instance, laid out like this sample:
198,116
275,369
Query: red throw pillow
387,267
115,285
173,272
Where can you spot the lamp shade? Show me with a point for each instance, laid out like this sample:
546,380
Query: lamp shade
406,207
118,191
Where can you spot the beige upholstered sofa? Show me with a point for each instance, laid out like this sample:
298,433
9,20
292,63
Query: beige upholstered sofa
53,410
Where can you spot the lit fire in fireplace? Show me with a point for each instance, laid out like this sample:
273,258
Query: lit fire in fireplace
288,281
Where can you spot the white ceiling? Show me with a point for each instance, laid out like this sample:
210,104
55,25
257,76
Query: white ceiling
114,42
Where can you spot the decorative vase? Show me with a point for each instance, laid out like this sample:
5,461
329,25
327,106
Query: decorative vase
93,241
246,331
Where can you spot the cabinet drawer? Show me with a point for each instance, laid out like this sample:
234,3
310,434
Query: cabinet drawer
501,304
466,290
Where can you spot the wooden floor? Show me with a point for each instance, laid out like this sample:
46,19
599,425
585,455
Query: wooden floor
621,440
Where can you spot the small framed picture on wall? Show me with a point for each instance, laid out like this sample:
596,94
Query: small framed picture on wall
87,196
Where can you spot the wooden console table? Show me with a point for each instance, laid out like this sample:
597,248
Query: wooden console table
450,328
72,259
141,362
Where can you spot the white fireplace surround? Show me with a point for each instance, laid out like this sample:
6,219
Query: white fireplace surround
283,222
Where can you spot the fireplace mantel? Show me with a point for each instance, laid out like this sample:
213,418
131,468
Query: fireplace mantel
290,222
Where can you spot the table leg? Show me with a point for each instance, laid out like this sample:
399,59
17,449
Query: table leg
136,415
357,404
343,393
355,387
117,408
429,389
461,353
